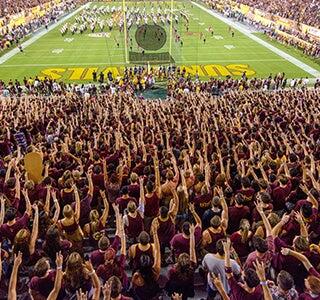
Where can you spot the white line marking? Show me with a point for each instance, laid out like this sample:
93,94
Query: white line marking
122,63
38,35
249,34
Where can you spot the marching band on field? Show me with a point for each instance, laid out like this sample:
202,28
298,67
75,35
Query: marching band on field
95,18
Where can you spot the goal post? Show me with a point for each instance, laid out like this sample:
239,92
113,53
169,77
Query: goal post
125,29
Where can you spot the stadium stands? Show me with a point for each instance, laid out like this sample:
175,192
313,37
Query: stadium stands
117,173
212,193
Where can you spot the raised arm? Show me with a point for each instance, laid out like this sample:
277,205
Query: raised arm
90,182
260,270
105,171
216,280
77,201
12,293
157,173
18,186
225,214
28,204
195,215
105,213
277,229
174,204
227,261
157,252
192,250
264,218
142,199
57,207
35,230
3,209
46,207
307,264
58,279
95,280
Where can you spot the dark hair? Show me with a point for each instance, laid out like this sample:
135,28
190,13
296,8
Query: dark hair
97,169
285,280
124,190
306,210
245,182
10,214
239,199
186,228
52,242
251,278
219,246
149,186
163,212
144,238
260,244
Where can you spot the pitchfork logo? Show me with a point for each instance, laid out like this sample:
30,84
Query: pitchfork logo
151,37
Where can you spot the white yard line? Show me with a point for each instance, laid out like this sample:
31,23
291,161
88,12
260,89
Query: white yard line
39,34
248,33
107,64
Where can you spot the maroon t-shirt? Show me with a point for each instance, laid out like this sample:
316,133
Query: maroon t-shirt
42,285
123,202
180,244
236,214
238,293
10,232
105,271
97,256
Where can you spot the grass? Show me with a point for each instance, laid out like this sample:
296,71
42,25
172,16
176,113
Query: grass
73,58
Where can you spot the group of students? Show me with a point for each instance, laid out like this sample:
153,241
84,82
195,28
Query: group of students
194,196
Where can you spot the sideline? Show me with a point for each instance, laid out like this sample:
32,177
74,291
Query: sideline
40,34
313,72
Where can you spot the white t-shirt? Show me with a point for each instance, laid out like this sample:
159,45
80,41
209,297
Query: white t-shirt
215,265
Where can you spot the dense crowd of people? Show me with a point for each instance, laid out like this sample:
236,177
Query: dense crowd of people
306,12
295,37
137,79
10,37
127,198
11,7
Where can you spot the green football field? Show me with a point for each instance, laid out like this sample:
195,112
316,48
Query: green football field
73,58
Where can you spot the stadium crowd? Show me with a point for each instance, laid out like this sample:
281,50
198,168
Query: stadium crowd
138,199
140,78
293,37
13,36
306,12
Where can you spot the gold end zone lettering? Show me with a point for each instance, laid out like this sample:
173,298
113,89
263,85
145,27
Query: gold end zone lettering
212,70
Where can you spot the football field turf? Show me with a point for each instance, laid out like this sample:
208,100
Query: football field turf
73,58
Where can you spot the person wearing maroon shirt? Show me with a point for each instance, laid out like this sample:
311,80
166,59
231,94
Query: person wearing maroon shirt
241,240
124,199
246,190
312,282
264,249
42,282
115,265
113,288
14,225
281,192
250,289
218,227
237,212
180,241
134,187
203,201
97,257
142,248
